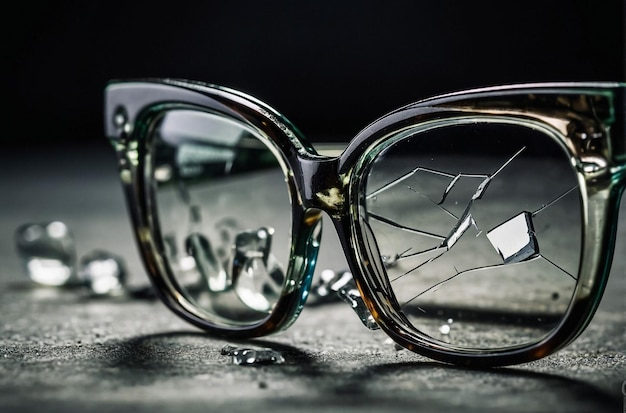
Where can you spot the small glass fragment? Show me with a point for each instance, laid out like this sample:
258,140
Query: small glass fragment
515,239
351,295
47,251
322,289
227,350
252,357
326,289
333,285
103,273
203,259
257,274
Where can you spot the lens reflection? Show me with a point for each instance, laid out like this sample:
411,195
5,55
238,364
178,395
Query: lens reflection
479,230
224,215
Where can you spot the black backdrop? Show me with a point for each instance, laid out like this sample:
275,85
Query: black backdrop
330,67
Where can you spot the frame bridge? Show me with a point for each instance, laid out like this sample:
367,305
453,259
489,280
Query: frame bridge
321,186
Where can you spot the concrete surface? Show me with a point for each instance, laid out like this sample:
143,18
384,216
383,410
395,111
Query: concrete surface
61,350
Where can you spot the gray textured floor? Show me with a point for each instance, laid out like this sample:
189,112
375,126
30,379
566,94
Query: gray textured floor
63,351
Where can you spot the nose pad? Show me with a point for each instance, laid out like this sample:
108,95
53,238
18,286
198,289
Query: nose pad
208,266
256,274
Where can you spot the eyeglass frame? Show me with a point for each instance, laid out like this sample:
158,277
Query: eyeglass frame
597,147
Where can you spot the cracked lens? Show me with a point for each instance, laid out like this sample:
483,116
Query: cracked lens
480,224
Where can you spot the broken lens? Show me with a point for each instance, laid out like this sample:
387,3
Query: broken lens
478,226
225,242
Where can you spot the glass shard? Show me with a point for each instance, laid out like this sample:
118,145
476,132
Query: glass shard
515,239
47,251
103,273
205,261
329,283
257,275
252,356
340,285
351,295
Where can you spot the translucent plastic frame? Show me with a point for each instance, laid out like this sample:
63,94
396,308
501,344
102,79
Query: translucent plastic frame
587,119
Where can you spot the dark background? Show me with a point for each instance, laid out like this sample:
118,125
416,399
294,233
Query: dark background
330,67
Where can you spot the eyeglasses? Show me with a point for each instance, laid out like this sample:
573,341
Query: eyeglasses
479,226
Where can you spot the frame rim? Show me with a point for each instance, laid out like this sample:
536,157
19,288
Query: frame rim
312,171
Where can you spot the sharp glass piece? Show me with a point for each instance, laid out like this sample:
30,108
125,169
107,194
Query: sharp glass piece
328,285
252,356
515,239
48,252
209,267
257,275
103,273
466,220
347,290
